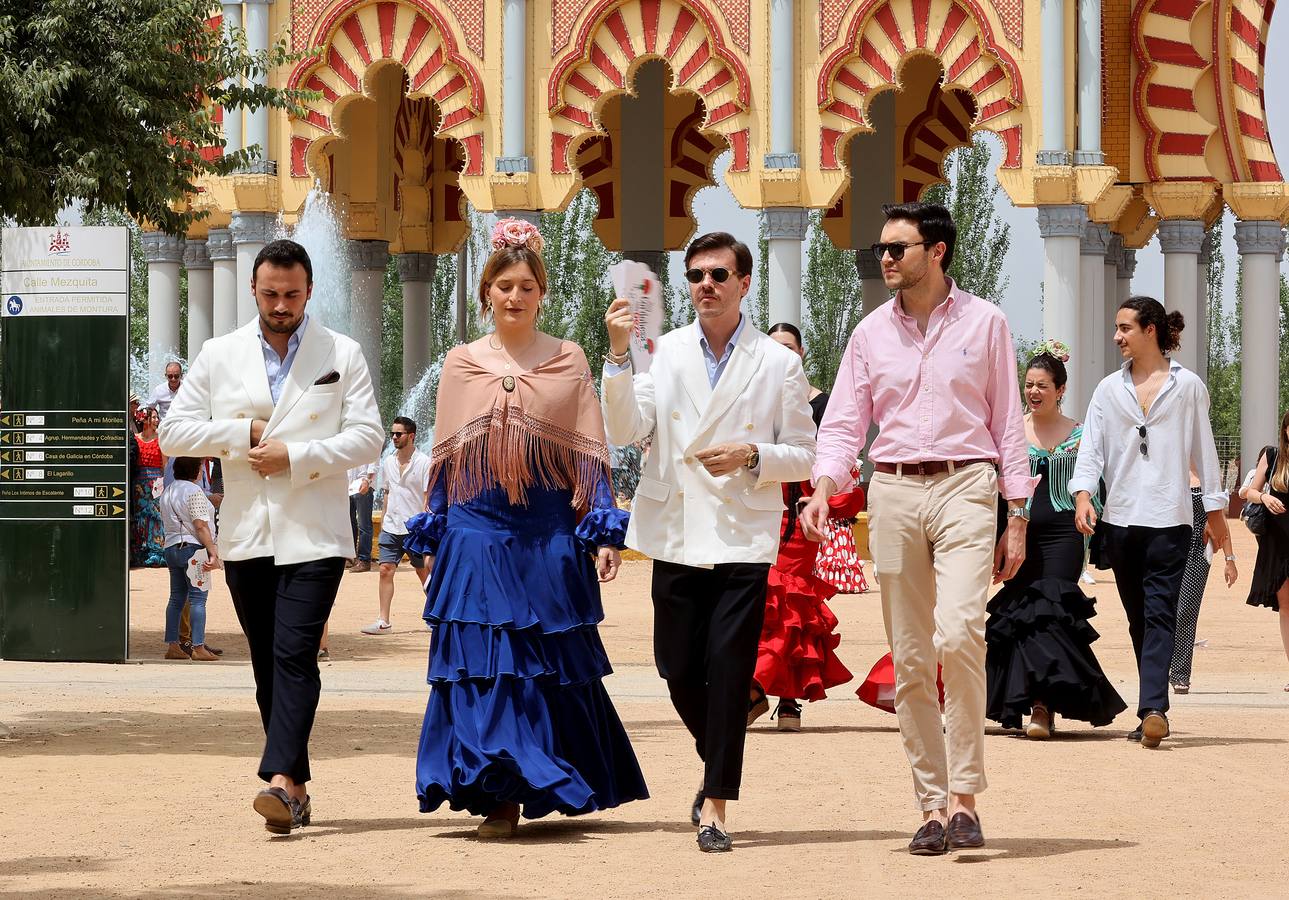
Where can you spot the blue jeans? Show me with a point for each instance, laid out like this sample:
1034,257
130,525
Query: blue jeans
360,521
183,591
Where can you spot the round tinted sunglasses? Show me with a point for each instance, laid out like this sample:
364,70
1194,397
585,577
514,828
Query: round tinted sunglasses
719,275
896,249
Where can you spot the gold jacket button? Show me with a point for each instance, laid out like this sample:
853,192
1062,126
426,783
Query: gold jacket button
676,416
223,452
312,416
749,426
241,415
313,475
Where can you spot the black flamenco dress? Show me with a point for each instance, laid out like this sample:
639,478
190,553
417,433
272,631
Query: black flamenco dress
1271,569
1038,637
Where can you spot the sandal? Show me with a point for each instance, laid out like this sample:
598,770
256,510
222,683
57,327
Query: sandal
758,706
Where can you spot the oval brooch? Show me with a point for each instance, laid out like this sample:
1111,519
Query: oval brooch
508,383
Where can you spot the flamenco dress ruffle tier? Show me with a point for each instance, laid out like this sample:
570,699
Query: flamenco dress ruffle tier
517,710
1039,648
796,657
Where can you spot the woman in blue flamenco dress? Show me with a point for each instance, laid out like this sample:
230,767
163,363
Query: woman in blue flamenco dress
521,527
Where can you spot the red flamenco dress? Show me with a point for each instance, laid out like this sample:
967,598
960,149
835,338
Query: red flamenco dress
795,659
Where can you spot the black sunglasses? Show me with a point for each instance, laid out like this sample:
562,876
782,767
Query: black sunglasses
719,275
1141,430
396,434
896,249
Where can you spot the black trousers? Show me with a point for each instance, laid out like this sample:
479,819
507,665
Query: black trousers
1148,564
282,610
706,630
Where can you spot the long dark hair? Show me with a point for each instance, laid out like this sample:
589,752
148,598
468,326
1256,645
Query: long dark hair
795,493
1168,325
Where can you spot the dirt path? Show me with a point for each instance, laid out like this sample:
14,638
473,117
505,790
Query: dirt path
136,780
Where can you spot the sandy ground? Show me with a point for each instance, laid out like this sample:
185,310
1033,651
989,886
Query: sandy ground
136,780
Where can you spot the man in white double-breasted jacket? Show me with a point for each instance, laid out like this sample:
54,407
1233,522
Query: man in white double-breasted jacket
727,408
287,407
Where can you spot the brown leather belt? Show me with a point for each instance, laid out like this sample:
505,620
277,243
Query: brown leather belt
934,467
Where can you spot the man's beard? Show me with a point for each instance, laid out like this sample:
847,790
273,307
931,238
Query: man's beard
278,328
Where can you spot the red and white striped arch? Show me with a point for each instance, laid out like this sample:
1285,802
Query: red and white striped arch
883,33
615,38
357,36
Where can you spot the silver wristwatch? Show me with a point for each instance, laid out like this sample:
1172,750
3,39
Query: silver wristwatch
1018,512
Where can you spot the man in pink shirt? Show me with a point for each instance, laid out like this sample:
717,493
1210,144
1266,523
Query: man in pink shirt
935,369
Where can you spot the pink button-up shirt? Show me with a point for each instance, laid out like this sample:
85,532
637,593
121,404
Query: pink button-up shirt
951,394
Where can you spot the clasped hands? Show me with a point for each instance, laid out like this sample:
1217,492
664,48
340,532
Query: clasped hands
267,457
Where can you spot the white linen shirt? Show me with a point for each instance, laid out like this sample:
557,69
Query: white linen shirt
404,491
1153,489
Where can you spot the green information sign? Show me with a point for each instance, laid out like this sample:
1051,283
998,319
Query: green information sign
64,464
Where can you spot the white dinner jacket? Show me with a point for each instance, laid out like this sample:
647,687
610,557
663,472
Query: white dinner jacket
681,514
301,514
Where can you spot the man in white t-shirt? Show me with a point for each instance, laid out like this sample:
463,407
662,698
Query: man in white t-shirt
406,476
164,393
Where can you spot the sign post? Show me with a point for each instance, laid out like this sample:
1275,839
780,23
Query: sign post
64,460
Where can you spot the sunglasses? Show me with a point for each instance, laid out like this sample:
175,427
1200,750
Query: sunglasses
896,249
1141,430
719,275
399,434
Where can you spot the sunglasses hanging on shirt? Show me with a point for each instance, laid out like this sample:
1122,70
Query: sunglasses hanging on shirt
1145,451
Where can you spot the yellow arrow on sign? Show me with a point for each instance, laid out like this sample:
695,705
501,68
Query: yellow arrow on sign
4,420
4,473
4,438
4,457
117,510
117,492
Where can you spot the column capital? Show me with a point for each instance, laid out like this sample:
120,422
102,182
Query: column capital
512,164
416,266
782,161
867,265
195,255
369,255
1067,220
1259,236
788,222
1126,263
253,227
1181,235
159,247
1095,240
219,245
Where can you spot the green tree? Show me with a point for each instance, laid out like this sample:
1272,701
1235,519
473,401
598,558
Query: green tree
112,102
970,193
577,266
761,304
830,292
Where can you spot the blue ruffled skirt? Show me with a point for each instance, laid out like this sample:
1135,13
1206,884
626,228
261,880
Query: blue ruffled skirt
517,711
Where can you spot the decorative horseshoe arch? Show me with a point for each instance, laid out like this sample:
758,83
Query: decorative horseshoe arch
361,35
604,57
883,34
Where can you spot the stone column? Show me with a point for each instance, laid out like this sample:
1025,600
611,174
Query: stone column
783,95
224,283
416,272
514,88
257,120
1062,228
368,260
1261,246
232,10
201,296
873,291
1109,352
642,155
654,259
1088,152
1180,239
250,231
1052,43
785,229
1205,260
164,255
1092,286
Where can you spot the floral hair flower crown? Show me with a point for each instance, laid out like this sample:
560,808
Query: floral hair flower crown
517,233
1054,348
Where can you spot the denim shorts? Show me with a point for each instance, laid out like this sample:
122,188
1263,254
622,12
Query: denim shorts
391,550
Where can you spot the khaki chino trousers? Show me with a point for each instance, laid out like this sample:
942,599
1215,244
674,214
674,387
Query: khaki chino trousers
932,540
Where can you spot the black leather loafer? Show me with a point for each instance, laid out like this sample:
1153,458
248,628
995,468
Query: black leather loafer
930,839
964,832
1134,736
696,811
712,840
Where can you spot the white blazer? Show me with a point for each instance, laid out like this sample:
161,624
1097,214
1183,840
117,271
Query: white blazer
298,515
681,514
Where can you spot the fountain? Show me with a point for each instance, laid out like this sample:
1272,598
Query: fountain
319,232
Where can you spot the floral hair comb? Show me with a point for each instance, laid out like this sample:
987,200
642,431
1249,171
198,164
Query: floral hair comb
517,233
1054,348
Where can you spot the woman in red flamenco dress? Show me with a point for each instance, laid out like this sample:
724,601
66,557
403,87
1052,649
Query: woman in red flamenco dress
796,660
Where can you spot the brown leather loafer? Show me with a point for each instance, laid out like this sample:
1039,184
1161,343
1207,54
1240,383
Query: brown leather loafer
281,811
930,839
964,832
1154,728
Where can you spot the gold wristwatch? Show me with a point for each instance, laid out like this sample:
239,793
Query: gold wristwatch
753,457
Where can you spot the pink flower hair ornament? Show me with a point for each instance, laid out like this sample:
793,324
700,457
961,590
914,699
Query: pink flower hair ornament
513,232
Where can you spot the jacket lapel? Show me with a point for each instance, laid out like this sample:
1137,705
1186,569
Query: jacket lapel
744,361
251,368
693,371
316,351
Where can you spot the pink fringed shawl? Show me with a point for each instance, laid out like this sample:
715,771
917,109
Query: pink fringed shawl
546,430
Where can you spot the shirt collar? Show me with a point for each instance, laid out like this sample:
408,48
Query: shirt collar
292,342
954,298
1126,370
702,337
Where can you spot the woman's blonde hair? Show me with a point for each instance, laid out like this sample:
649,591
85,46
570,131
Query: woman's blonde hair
503,259
1279,479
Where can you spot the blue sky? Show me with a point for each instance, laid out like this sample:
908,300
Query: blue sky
716,210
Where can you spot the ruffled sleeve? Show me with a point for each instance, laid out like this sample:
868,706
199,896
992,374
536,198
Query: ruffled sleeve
425,530
604,525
